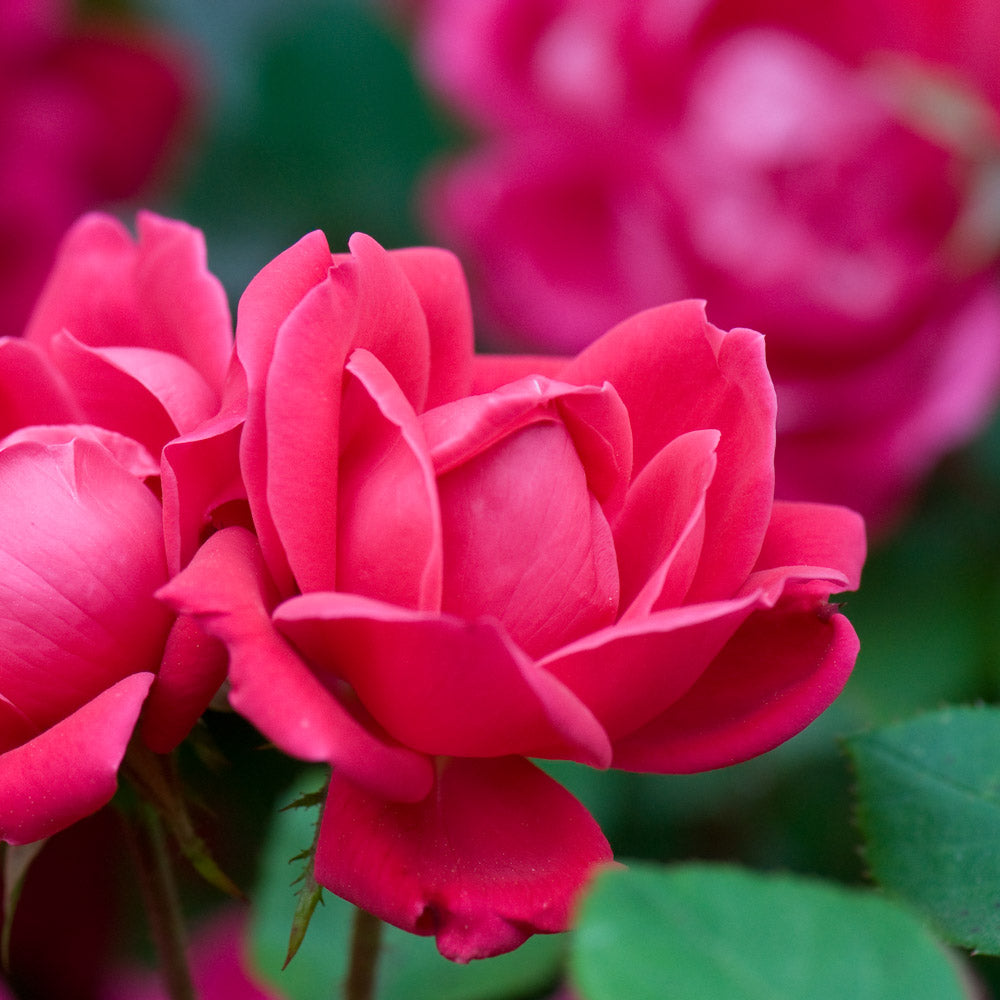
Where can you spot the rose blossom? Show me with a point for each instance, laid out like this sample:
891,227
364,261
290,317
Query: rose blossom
464,562
134,335
124,359
769,158
86,116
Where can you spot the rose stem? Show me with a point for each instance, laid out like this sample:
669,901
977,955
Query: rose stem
365,935
161,899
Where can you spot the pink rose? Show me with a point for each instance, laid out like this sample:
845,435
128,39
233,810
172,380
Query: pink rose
765,158
86,116
462,562
133,335
124,359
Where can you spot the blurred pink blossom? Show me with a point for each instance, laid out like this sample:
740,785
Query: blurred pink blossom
772,158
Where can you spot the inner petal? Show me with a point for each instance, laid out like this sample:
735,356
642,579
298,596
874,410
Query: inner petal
526,543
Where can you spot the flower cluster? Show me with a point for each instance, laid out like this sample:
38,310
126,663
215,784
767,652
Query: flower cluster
819,175
423,567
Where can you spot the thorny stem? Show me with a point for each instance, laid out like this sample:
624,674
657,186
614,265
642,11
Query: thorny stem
159,893
365,936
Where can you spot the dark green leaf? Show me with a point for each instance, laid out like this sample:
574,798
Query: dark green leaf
701,932
929,808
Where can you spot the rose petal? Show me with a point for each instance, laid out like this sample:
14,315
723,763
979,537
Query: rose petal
676,373
127,452
496,852
200,472
808,534
81,549
226,588
384,314
442,685
15,726
781,670
110,291
525,542
593,415
69,771
629,673
658,536
32,390
112,397
367,301
192,670
303,390
437,278
389,525
268,300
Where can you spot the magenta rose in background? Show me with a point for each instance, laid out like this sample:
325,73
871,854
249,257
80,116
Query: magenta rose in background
87,113
792,166
124,358
460,563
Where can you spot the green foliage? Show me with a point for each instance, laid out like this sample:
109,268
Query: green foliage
929,807
700,932
410,967
310,893
318,124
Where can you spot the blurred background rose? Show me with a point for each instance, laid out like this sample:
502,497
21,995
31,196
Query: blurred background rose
826,177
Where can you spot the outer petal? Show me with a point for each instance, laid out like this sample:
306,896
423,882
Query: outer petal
69,771
301,413
226,588
266,303
437,278
496,853
630,672
81,554
127,452
809,534
781,670
32,390
676,373
179,389
157,293
112,397
440,684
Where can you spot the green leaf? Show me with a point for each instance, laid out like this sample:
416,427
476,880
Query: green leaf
410,967
928,795
310,892
701,932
